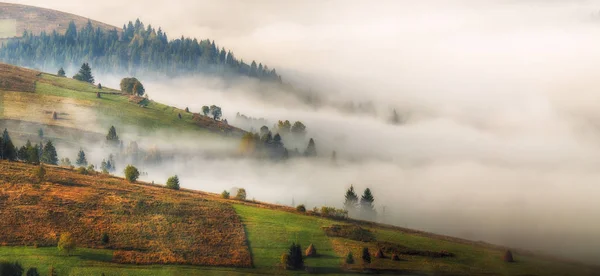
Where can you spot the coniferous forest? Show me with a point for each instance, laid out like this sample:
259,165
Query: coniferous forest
135,50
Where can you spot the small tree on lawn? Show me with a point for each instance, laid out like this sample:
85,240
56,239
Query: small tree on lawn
173,182
85,74
296,260
366,256
66,243
131,173
225,194
61,72
49,155
81,160
241,194
349,258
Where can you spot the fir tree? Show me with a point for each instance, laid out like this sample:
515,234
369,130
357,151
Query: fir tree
311,149
366,256
81,160
7,148
49,155
61,72
112,136
366,204
85,74
351,200
173,183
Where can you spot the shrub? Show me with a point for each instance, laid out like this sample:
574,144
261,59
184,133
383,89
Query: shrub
11,269
82,170
332,212
241,194
349,258
91,169
225,194
173,182
366,256
301,208
131,173
105,238
395,257
295,260
508,256
32,271
379,254
66,243
311,251
40,173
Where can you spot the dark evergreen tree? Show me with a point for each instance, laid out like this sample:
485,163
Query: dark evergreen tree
41,133
10,269
32,153
61,72
85,74
351,200
81,160
366,204
173,182
205,110
366,256
298,129
311,149
112,136
32,271
49,155
296,260
7,148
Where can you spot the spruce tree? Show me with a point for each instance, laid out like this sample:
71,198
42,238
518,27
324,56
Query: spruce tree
311,149
366,204
7,148
366,256
81,160
351,200
85,74
49,155
61,72
173,182
112,136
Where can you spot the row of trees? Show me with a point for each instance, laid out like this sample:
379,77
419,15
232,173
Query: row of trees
362,208
135,49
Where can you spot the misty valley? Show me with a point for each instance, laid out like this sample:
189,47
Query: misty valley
399,138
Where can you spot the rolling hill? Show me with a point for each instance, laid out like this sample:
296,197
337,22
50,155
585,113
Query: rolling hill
157,231
15,19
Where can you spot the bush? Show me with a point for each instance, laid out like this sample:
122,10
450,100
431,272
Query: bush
301,208
173,182
131,173
82,170
241,194
349,258
105,239
32,271
40,173
295,260
66,243
311,251
225,194
366,256
332,212
508,256
11,269
91,169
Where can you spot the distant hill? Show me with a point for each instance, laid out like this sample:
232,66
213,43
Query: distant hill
16,18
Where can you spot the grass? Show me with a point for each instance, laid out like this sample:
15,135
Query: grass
146,224
87,261
271,232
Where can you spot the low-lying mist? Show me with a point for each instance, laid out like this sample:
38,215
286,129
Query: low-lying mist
501,140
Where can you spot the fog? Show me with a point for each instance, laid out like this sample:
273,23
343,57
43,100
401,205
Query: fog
501,143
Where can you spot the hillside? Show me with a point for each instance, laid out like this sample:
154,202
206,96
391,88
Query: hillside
15,19
33,97
149,224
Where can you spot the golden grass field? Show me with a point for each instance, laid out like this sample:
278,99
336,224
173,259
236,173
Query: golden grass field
146,224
